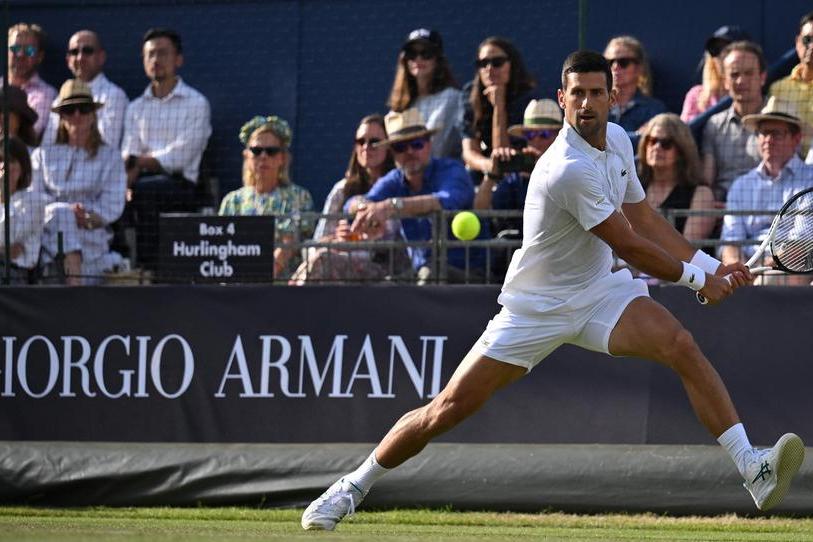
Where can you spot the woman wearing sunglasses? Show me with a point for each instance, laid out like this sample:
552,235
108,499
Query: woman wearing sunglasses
267,188
369,160
497,97
27,213
670,171
632,81
424,80
85,182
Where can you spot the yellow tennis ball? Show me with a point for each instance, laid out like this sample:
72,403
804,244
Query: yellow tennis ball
465,225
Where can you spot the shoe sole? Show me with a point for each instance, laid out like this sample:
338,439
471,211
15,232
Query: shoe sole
788,461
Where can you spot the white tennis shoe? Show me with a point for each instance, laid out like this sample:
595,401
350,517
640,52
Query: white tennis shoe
770,471
339,501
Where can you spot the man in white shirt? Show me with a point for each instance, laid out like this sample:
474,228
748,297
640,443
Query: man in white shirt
165,133
85,58
560,289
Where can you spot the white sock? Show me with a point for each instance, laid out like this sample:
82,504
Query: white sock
367,474
736,443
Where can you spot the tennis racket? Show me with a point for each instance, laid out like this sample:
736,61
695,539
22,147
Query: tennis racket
790,239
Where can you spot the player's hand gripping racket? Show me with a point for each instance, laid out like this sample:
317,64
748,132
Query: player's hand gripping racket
790,239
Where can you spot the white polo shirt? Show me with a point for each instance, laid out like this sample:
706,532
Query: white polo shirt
573,188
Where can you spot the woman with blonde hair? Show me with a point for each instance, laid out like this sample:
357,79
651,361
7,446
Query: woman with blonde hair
632,81
267,187
85,183
424,80
670,171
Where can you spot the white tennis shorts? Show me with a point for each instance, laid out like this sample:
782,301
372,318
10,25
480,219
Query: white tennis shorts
526,338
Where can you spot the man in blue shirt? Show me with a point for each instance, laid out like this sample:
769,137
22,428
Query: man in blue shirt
418,186
779,176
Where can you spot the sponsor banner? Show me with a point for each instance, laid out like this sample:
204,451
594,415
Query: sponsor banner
328,364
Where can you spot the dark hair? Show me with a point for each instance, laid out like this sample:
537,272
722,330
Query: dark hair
520,79
746,47
161,32
807,18
584,61
405,87
19,153
357,180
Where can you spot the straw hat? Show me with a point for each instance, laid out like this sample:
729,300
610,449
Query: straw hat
776,109
404,126
74,91
539,115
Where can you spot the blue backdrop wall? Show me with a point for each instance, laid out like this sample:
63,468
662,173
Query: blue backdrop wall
323,64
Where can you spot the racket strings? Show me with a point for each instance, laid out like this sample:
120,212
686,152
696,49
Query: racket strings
792,246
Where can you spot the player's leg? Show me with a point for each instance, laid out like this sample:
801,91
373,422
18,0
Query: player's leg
647,330
474,381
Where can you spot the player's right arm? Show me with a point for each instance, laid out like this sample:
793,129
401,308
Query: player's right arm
648,257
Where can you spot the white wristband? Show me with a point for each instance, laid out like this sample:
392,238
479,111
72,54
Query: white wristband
693,277
707,263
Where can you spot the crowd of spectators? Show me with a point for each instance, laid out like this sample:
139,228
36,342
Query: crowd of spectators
86,163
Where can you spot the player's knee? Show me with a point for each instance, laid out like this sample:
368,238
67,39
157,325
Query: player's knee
680,350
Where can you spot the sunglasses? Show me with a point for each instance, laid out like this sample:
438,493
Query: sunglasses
664,142
70,109
807,40
533,134
27,50
270,151
623,62
370,141
774,134
414,144
426,54
496,61
86,50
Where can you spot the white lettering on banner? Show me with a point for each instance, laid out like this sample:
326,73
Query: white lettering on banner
16,369
81,364
365,369
213,269
139,370
53,367
188,366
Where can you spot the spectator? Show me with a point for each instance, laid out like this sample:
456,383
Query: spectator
26,51
506,190
165,133
797,88
27,214
369,160
418,186
669,169
267,187
21,117
85,58
632,82
84,181
729,150
424,80
705,95
780,174
497,98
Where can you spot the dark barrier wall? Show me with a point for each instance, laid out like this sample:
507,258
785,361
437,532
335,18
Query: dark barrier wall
324,64
221,364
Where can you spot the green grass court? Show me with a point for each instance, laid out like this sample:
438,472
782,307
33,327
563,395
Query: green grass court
235,524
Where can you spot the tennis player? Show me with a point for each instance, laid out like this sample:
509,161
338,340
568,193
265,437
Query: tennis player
584,202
